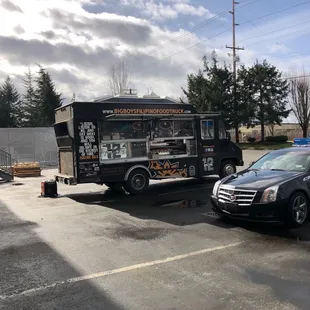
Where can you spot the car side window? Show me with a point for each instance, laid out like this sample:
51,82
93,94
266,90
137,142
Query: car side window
222,130
207,129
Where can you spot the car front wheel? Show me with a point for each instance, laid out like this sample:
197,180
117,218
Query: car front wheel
297,213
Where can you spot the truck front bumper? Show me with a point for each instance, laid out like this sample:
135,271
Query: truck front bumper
66,179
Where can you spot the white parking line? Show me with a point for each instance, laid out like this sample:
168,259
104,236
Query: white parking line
119,270
186,190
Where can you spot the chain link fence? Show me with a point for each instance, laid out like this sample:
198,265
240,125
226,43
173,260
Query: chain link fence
30,145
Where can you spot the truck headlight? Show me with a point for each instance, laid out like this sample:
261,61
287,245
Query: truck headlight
216,187
270,194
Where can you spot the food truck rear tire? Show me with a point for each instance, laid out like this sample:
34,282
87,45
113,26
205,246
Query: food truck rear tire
228,167
137,182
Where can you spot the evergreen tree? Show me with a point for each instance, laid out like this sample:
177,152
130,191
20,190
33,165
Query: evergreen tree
73,98
30,107
196,91
267,94
47,99
219,89
212,90
10,113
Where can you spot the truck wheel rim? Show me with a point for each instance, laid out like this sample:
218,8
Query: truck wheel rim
229,169
300,209
138,181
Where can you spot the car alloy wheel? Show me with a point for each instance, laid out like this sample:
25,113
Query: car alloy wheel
300,209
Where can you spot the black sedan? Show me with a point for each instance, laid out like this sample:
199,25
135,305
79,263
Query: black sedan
275,189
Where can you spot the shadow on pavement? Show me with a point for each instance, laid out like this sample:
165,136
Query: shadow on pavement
177,203
28,262
285,290
182,203
270,231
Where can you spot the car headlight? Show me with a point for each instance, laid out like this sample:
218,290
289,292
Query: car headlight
216,187
270,194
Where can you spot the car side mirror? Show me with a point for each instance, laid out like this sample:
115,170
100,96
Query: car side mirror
228,136
252,163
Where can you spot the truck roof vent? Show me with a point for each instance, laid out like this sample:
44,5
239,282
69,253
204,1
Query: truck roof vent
152,95
128,92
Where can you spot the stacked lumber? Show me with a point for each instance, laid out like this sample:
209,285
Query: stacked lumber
24,170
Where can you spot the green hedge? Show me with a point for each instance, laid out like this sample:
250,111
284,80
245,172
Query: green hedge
277,139
251,139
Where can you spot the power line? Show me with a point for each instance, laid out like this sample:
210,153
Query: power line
234,49
201,41
283,10
188,48
187,33
270,32
296,77
305,30
199,26
194,29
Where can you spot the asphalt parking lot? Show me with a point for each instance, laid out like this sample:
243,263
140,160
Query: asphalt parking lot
94,249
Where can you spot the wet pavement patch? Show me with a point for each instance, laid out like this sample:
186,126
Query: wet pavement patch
135,233
180,204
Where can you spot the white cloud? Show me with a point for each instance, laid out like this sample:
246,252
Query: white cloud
78,47
278,48
187,9
174,8
61,34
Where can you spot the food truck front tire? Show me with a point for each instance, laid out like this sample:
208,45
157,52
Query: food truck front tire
138,181
228,167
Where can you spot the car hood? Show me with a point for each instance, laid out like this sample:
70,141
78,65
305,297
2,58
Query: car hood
259,179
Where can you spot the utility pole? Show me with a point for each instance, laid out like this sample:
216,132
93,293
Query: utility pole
234,49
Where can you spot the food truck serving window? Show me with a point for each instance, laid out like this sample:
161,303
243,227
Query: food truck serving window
173,128
123,139
123,130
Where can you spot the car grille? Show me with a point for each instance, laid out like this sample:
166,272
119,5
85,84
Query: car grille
242,197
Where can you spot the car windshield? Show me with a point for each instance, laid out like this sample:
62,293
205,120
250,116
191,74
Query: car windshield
287,161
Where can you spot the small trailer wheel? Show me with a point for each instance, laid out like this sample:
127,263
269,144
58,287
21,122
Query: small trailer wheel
137,182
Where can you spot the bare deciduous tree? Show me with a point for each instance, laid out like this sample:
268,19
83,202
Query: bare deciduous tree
119,78
300,102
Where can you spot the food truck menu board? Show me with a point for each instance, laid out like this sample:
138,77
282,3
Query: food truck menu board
88,142
114,150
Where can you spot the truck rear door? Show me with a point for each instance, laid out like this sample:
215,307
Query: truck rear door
207,129
65,142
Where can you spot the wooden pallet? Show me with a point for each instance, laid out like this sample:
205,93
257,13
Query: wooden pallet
23,170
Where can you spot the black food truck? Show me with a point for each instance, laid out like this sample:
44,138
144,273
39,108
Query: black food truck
124,141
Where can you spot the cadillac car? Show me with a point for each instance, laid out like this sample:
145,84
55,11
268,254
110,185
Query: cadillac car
274,189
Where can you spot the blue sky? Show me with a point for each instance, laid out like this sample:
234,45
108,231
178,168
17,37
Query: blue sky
78,41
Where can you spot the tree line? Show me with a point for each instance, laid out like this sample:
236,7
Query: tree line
262,95
35,107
